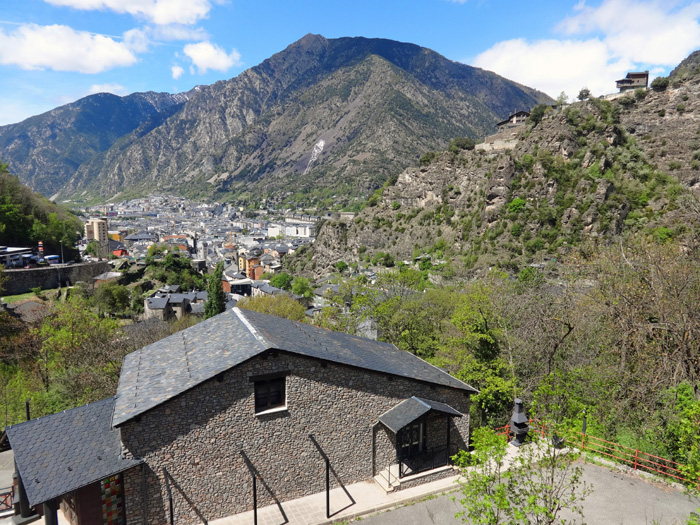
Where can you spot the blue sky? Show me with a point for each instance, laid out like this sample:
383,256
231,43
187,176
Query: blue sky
55,51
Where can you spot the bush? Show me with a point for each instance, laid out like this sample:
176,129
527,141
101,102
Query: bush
659,84
461,143
534,245
680,109
537,114
516,205
427,158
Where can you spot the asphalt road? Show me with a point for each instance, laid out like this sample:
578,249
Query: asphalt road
617,499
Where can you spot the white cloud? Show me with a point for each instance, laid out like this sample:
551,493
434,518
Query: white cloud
115,89
206,56
61,48
649,32
553,66
177,72
157,11
602,43
178,32
137,40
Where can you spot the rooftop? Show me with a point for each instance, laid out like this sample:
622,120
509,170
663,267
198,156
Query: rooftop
63,452
159,372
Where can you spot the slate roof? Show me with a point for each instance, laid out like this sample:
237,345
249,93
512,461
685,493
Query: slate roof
411,409
157,303
158,372
62,452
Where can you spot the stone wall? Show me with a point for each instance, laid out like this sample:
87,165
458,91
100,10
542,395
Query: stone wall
48,277
209,439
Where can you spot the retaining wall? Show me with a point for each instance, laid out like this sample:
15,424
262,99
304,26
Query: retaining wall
48,277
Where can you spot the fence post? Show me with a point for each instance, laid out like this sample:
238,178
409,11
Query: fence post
636,456
255,501
328,488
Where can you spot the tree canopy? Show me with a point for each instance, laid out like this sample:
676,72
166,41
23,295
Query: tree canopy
216,298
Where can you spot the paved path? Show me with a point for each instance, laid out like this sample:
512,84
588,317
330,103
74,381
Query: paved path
367,497
618,499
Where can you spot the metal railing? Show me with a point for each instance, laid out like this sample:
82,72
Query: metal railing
7,498
629,456
432,458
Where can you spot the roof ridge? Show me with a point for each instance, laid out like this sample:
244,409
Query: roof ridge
426,405
264,341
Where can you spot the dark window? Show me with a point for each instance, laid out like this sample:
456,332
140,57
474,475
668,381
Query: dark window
412,439
269,393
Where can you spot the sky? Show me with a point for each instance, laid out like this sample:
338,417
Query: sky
53,52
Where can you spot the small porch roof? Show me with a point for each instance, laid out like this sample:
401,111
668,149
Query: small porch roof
411,409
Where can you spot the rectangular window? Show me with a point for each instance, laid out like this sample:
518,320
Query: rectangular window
269,394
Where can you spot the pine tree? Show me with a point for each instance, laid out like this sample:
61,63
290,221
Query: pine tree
216,299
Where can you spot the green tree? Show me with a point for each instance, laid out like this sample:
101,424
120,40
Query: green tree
282,280
584,94
540,481
216,298
537,114
301,286
112,297
659,84
461,143
281,305
341,266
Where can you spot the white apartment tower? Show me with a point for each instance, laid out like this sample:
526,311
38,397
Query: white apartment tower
96,229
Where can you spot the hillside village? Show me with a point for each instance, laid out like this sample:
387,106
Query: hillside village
228,413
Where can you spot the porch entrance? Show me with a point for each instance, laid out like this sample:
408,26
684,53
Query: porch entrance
422,431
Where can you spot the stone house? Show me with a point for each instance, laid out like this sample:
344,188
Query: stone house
158,308
201,413
516,119
633,80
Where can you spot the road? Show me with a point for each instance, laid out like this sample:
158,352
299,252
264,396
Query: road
617,499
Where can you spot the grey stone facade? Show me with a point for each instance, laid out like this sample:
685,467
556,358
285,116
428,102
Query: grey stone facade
208,439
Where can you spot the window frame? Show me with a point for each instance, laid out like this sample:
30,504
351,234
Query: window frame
268,382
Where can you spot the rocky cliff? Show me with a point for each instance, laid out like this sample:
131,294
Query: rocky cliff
593,170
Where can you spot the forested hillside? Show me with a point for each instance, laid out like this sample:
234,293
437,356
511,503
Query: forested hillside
27,217
613,334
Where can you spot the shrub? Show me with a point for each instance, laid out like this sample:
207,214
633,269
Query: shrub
461,143
537,114
427,158
395,205
516,205
674,166
659,84
680,109
661,112
534,245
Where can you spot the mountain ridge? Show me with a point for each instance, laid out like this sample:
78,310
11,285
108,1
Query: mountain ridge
255,133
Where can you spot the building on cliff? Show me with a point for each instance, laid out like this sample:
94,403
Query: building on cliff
242,396
633,81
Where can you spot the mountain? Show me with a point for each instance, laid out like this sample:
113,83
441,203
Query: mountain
582,175
367,107
46,150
